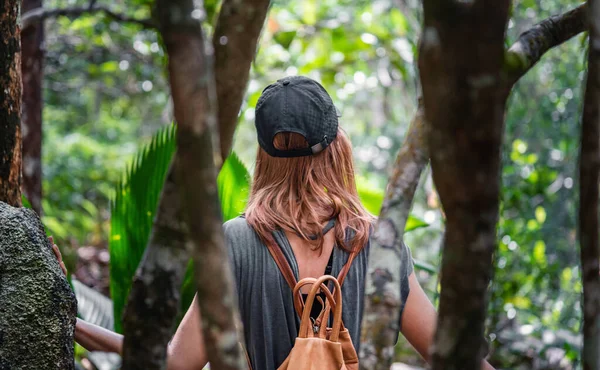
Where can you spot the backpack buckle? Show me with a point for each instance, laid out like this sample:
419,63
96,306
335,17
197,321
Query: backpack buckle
315,327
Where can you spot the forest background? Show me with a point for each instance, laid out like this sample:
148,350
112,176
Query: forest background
105,94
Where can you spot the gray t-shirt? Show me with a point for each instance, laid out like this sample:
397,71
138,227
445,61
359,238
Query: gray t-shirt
265,299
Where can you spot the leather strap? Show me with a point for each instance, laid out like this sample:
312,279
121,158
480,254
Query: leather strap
281,262
346,268
286,269
335,301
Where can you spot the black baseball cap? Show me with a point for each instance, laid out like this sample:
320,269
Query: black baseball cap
296,104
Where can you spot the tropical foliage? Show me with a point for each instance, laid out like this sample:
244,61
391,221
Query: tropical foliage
105,96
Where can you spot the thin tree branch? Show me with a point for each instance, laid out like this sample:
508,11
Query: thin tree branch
40,14
383,299
235,41
589,175
536,41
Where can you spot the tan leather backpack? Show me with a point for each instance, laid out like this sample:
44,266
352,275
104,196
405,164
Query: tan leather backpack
317,345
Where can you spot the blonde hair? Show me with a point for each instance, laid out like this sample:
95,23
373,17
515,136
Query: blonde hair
300,194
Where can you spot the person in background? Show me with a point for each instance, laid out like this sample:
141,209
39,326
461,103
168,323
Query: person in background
304,200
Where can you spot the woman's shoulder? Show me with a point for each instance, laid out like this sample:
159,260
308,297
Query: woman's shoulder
238,228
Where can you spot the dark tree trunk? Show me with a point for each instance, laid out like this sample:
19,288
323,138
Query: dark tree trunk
235,40
32,60
589,175
193,91
153,303
461,60
37,306
383,298
10,103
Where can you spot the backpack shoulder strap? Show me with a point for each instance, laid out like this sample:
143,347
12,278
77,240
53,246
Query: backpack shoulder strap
281,262
346,268
286,270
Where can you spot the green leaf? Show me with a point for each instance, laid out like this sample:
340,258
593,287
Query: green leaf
424,266
539,253
540,214
54,227
234,186
109,67
372,199
285,38
399,21
25,201
132,212
414,223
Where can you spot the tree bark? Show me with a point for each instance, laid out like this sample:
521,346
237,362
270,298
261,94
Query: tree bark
533,43
193,91
383,300
10,104
461,60
32,62
589,175
235,41
155,292
37,306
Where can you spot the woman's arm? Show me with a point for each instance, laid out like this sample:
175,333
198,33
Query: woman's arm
419,321
185,351
95,338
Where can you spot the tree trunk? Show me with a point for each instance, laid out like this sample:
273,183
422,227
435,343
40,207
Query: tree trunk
10,103
461,60
383,300
155,292
32,61
235,40
193,91
37,306
589,175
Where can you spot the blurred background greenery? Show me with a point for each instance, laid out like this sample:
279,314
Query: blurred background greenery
105,95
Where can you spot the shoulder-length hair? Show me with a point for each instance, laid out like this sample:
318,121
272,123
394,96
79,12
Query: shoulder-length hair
300,194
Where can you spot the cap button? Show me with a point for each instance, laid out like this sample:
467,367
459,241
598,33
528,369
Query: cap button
285,83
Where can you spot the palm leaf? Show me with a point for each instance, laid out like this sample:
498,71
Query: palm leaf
134,207
132,212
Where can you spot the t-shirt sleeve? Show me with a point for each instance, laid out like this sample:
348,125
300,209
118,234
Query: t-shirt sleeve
407,268
234,231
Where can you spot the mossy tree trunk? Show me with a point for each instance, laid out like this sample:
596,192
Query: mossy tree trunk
37,306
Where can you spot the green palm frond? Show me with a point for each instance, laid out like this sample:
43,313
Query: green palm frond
134,206
132,212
